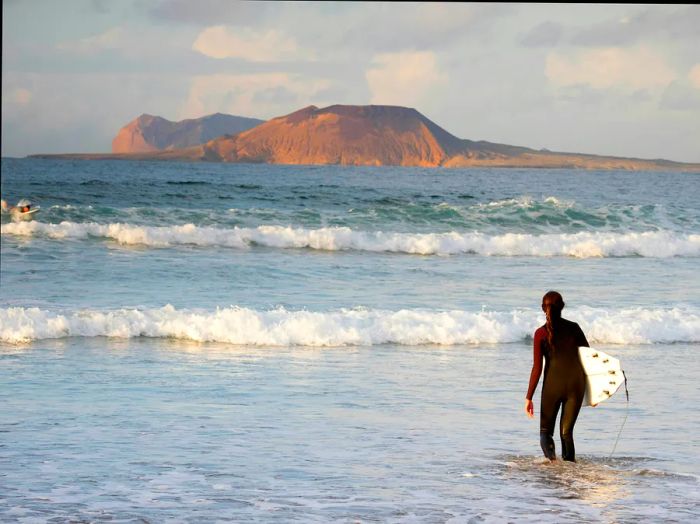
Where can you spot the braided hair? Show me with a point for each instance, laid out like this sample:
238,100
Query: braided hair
554,304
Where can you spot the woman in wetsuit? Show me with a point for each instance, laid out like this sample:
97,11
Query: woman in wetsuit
564,381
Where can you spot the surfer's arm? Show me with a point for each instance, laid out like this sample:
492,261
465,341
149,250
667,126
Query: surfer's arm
534,373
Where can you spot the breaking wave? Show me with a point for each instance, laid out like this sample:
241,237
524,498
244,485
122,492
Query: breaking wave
211,205
345,327
653,244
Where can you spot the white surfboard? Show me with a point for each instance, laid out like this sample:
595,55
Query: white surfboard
604,375
27,215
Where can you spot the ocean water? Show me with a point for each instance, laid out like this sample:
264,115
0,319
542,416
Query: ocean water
200,342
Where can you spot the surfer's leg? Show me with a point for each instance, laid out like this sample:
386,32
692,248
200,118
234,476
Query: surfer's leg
569,413
548,417
547,445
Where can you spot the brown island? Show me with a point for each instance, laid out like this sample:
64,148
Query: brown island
370,136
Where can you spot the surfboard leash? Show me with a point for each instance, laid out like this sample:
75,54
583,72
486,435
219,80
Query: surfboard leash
627,410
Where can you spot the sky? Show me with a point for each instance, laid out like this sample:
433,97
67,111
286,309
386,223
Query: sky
621,80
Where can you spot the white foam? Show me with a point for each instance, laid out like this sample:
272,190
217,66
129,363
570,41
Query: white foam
69,207
525,202
345,327
654,244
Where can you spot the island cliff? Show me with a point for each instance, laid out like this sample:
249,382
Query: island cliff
374,136
153,133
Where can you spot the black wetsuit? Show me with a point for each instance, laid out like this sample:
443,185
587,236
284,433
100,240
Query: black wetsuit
564,384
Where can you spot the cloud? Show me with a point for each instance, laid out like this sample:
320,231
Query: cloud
262,95
659,23
343,27
405,78
264,46
680,96
392,28
100,6
212,12
683,95
278,95
126,43
636,68
545,34
652,23
111,39
694,76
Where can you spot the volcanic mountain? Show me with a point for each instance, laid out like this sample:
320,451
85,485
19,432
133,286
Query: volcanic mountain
153,133
346,135
375,136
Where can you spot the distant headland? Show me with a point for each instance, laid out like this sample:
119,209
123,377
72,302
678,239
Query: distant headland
149,133
371,135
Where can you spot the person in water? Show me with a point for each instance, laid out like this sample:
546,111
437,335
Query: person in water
564,380
23,206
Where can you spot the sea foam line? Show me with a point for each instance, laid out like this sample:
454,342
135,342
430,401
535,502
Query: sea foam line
654,244
344,327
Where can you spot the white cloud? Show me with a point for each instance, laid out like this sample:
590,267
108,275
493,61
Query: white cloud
635,68
255,46
694,76
405,78
247,95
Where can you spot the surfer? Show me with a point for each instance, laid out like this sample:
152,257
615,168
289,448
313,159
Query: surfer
23,206
22,211
564,382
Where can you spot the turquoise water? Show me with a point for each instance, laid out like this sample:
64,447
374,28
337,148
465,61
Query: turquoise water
186,342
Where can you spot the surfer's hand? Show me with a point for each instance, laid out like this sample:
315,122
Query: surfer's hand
529,408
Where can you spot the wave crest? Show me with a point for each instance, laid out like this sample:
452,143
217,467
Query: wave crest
345,327
653,244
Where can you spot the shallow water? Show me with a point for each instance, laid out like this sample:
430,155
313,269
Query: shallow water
162,430
196,342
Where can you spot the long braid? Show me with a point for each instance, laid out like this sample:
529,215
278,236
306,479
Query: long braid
549,326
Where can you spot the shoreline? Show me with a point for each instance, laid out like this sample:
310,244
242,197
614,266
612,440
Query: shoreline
568,161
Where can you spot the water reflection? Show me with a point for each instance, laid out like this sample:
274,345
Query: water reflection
599,482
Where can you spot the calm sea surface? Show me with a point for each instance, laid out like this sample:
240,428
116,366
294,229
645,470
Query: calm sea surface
200,342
